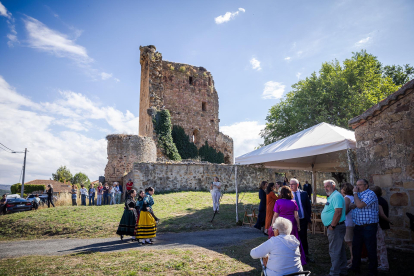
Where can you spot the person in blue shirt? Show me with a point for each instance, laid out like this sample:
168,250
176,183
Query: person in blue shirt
333,217
149,192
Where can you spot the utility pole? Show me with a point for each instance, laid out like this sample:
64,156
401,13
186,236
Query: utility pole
24,169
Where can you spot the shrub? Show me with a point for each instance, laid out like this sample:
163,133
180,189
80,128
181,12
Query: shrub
28,188
163,128
182,69
186,149
211,155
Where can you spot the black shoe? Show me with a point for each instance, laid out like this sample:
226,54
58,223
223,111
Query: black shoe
150,242
143,243
265,234
122,237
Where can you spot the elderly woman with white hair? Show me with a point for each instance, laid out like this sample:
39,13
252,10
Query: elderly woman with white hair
282,250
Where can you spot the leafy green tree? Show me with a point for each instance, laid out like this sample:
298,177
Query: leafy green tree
163,128
335,95
81,178
186,149
210,154
62,174
399,75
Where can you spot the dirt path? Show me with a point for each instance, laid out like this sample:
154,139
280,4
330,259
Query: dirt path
206,239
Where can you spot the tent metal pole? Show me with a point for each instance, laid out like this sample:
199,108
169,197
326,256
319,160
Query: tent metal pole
351,168
314,185
237,193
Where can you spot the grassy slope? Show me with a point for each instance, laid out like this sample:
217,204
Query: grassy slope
179,212
232,260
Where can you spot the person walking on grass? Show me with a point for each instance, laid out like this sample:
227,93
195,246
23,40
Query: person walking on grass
215,194
333,217
147,224
100,194
261,218
129,217
50,196
106,194
366,218
74,193
92,192
84,194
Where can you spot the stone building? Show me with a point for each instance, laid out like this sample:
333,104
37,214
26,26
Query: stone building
385,155
189,94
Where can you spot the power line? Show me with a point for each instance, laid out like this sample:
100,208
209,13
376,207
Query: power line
6,147
5,150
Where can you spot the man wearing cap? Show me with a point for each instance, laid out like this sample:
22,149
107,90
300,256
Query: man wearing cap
333,217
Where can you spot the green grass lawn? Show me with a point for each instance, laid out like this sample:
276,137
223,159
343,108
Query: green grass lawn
178,212
230,260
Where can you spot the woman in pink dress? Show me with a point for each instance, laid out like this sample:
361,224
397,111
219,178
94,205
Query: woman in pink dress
286,208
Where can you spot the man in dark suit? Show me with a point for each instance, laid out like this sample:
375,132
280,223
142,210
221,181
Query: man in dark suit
304,212
308,188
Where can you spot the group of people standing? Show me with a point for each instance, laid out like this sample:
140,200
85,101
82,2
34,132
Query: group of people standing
138,219
104,194
358,215
289,202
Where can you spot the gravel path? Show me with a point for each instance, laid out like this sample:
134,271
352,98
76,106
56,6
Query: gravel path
206,239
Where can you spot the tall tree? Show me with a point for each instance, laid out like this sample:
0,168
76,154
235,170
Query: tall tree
335,95
81,178
62,174
399,75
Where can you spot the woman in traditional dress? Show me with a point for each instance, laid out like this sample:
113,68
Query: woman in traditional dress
146,228
287,208
130,216
271,198
261,218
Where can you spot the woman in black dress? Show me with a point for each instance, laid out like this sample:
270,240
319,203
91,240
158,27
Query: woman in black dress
130,216
261,218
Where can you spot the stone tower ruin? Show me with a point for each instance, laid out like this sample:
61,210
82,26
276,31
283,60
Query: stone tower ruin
189,94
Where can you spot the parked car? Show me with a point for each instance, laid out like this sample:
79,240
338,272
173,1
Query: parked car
18,205
12,196
43,198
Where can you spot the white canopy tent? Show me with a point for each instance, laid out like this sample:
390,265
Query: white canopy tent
321,148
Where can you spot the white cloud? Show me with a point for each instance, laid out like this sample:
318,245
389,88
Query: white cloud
106,76
227,16
255,64
299,53
363,41
273,90
12,36
287,58
51,41
246,136
298,74
49,148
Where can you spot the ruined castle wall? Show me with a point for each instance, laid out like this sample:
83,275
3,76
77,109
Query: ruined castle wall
385,154
193,177
124,151
188,93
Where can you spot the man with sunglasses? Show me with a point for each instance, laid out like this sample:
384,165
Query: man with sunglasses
365,217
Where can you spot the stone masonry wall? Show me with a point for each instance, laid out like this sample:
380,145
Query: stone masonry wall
183,177
189,94
124,151
385,154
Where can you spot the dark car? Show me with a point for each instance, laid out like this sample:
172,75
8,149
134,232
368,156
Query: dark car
18,205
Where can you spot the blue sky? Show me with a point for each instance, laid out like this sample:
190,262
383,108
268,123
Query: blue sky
70,73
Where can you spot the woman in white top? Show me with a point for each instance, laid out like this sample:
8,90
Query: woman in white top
347,192
282,250
215,193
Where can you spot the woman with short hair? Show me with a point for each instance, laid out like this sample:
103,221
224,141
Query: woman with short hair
282,250
287,208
